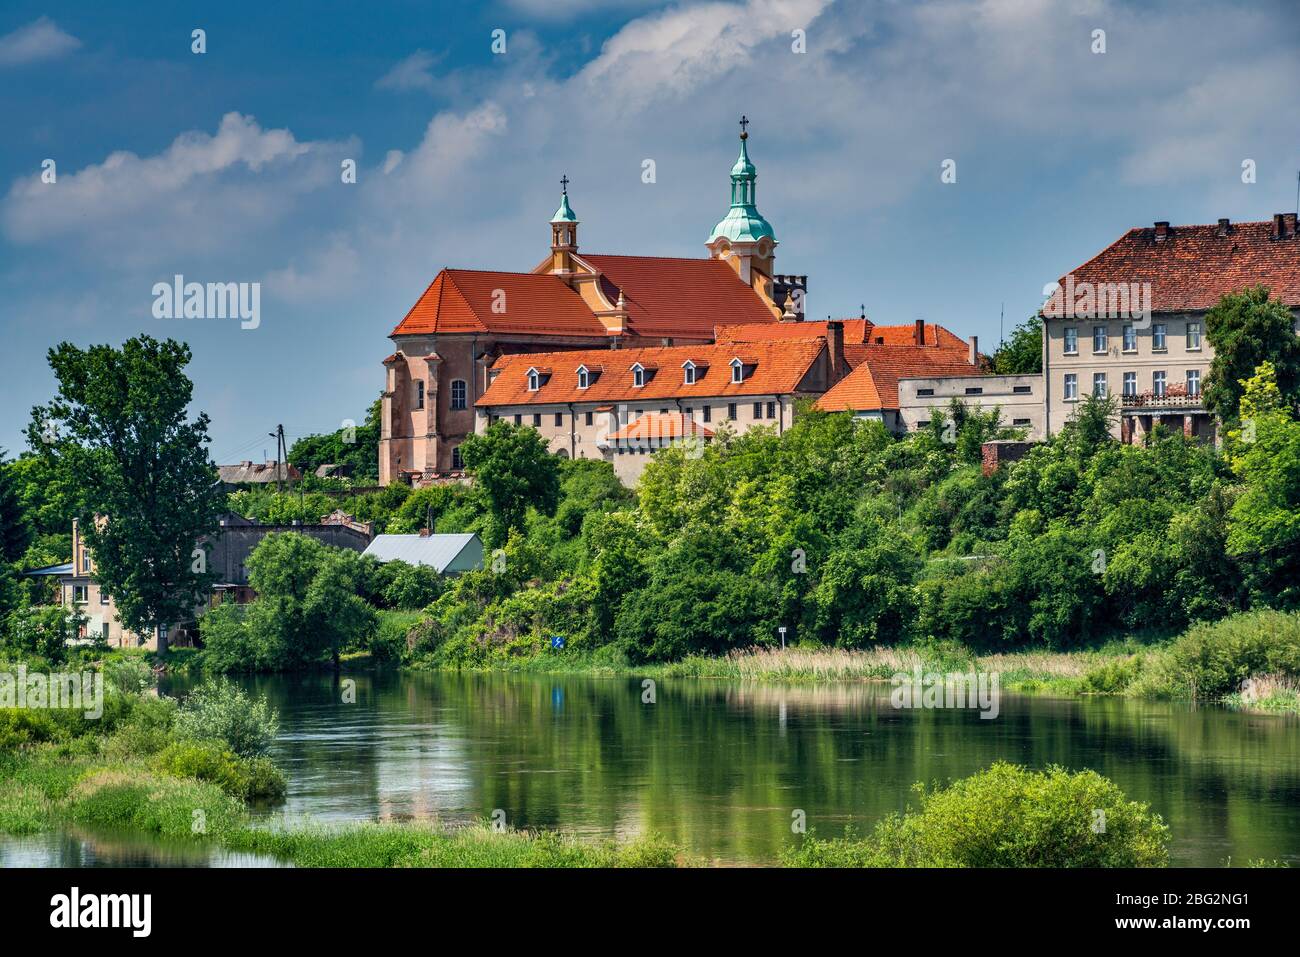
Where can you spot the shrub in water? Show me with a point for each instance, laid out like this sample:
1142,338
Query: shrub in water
244,778
1007,816
221,711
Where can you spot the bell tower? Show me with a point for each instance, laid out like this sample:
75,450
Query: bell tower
564,233
744,239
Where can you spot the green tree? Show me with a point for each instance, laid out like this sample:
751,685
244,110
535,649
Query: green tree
357,446
1246,330
119,430
514,470
1022,354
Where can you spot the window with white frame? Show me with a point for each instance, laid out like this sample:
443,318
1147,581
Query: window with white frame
1158,333
1193,336
1071,341
534,380
1099,339
584,378
1099,385
459,394
688,373
1193,381
737,371
638,375
1071,386
1130,383
1130,338
1159,382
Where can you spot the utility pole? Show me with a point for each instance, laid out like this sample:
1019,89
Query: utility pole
281,453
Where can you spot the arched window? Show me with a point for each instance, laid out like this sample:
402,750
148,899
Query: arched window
689,372
638,375
456,461
534,380
458,393
584,377
737,371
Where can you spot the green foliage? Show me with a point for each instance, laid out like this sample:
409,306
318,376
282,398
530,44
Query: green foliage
357,446
1022,354
1211,660
1248,329
221,711
125,440
1006,816
243,778
514,471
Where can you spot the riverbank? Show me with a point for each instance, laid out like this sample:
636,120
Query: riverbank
1248,662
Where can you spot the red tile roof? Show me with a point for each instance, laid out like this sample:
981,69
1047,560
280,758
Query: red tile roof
1194,266
660,426
678,298
873,383
778,369
856,331
467,300
684,298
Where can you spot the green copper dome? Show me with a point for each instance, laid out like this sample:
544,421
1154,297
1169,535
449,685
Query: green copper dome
565,213
743,222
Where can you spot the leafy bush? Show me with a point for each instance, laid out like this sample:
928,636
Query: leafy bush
1211,660
244,778
1111,677
1007,816
221,711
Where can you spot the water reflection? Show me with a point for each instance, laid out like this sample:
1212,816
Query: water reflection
83,849
720,766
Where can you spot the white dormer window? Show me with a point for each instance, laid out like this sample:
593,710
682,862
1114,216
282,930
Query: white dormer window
534,380
584,377
737,371
638,375
688,372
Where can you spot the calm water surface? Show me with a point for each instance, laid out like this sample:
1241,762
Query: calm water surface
719,766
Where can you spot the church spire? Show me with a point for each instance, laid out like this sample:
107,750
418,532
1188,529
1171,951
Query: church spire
743,222
564,232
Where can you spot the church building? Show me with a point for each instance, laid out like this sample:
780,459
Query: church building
468,319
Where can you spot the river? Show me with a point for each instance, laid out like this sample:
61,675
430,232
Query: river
723,767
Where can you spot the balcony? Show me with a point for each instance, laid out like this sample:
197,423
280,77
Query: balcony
1176,399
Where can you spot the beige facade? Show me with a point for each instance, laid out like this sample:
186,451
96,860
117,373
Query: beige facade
1156,368
1018,397
581,430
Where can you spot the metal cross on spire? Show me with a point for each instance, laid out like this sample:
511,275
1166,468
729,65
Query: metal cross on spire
744,122
564,183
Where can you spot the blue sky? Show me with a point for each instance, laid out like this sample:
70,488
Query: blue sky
225,166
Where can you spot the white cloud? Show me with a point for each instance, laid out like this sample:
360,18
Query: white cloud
202,190
415,72
41,39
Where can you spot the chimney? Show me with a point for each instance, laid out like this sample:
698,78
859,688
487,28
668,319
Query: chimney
974,350
424,533
835,349
1288,225
1162,230
1277,226
1223,227
919,335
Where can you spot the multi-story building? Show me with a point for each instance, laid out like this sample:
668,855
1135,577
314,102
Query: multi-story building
468,320
1130,322
590,403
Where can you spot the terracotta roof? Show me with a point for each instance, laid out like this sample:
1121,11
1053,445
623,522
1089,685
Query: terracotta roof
678,297
660,426
1194,266
467,300
855,331
778,369
873,383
